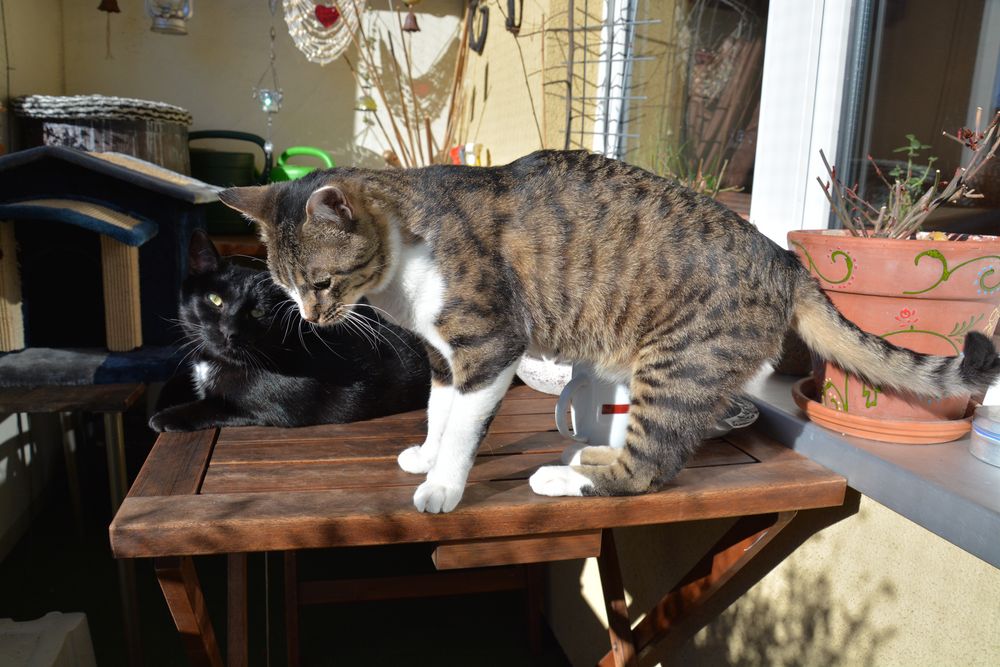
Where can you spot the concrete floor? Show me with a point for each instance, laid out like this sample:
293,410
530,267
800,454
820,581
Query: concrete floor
57,567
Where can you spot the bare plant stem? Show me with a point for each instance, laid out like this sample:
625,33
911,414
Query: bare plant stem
903,217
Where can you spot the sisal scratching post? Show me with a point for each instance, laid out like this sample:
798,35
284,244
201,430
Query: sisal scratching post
11,317
122,314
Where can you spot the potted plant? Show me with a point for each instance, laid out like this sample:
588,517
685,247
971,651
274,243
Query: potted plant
920,290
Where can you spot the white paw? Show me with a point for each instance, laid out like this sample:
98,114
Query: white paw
435,497
414,460
571,455
558,481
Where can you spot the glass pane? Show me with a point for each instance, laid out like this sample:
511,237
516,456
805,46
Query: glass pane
930,64
691,96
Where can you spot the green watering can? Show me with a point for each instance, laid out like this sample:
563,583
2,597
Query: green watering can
289,172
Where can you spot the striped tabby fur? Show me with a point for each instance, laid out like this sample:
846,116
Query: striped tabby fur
577,256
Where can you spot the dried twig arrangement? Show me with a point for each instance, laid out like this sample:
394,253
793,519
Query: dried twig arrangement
909,203
408,137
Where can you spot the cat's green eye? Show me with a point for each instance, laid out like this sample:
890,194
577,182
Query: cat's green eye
215,299
321,285
257,313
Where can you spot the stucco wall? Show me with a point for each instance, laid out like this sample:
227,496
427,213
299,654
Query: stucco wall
212,70
34,47
873,589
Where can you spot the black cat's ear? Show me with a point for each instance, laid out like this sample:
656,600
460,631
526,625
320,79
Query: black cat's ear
252,201
202,255
329,205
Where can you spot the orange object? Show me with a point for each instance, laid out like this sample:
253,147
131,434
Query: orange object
899,431
921,294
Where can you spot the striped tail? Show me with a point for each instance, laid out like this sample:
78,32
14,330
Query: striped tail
882,364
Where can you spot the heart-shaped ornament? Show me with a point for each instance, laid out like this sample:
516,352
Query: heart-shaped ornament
327,16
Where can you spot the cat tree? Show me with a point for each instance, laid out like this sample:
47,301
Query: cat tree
143,216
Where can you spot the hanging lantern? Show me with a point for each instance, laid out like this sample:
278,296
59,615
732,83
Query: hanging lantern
170,16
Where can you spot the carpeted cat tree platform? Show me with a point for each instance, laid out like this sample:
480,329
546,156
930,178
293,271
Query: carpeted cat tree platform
93,250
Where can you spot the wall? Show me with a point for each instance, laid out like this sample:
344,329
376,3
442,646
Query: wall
29,448
212,70
504,106
872,589
35,61
34,47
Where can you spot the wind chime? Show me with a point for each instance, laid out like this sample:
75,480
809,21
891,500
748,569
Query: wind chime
109,7
410,24
322,30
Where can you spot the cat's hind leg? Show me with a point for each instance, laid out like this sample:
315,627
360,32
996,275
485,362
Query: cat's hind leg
674,399
589,455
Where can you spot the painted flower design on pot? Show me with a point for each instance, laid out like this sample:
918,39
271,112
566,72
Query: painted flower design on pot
907,316
980,281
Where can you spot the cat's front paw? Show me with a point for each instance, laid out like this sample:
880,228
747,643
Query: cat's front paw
415,460
165,420
435,497
558,481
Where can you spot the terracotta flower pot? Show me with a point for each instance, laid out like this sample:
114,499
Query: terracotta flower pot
921,294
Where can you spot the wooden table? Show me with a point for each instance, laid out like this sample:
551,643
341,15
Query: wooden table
264,489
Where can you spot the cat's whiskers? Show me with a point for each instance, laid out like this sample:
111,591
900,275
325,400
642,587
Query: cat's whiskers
302,339
366,323
251,258
349,326
359,329
376,309
312,328
263,357
258,358
381,328
195,350
287,318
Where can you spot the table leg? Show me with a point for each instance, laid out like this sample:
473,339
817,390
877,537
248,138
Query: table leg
747,538
236,638
619,626
114,442
534,597
181,590
291,609
71,445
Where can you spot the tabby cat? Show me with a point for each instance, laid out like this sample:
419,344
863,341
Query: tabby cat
252,364
576,256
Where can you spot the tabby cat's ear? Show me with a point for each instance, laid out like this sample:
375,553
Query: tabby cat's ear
251,201
202,255
329,205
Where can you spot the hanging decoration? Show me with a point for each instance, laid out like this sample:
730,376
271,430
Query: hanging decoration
269,98
170,17
110,7
410,24
322,30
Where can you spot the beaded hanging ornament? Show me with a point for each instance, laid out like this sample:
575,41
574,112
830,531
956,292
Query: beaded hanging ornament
322,30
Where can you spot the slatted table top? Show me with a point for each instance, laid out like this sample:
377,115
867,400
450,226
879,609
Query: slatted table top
262,489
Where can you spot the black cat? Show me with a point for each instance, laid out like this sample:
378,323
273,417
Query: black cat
255,362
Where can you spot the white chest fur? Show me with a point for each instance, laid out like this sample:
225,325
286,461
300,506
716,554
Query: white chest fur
202,375
415,294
